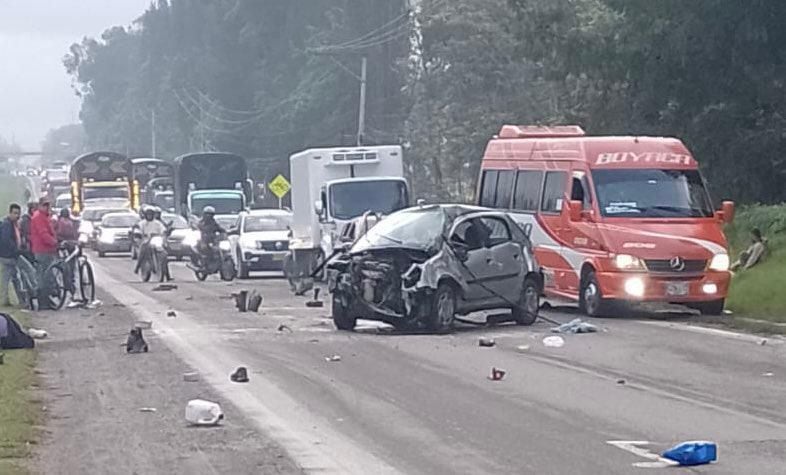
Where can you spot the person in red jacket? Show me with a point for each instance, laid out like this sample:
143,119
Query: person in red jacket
43,243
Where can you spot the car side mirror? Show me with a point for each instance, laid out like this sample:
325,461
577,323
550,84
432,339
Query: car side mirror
233,232
574,210
726,213
318,208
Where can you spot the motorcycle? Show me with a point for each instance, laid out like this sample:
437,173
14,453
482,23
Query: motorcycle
215,257
154,259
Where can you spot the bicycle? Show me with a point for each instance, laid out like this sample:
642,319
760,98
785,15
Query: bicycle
27,292
63,277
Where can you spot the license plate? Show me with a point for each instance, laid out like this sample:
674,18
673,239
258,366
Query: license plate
277,257
675,289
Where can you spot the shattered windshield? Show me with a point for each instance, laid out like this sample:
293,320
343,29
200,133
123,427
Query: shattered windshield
413,228
652,193
349,200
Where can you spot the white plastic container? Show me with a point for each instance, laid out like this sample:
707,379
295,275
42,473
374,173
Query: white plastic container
203,413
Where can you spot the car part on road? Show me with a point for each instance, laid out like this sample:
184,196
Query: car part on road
240,375
333,358
486,342
37,334
143,324
283,327
191,377
315,303
148,409
203,413
254,301
621,381
554,342
164,287
241,300
522,348
575,326
693,453
171,314
497,374
136,342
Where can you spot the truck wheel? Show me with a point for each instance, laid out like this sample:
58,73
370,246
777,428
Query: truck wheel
342,317
713,307
242,268
443,309
591,300
527,311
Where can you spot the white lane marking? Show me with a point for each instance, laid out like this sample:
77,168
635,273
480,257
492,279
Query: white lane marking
746,337
633,446
307,437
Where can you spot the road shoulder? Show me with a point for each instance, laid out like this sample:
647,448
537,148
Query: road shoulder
94,392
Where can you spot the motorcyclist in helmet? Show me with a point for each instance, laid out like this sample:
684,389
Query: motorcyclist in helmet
149,228
209,229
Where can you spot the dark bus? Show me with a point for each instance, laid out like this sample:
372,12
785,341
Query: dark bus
209,171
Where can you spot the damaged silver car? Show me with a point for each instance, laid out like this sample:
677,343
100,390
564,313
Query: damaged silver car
420,267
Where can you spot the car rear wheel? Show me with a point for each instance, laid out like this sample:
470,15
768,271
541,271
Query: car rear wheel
342,316
714,307
527,311
591,300
443,309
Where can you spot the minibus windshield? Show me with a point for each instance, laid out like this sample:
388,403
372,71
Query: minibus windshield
651,193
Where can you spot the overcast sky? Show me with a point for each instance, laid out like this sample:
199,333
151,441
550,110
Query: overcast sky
35,92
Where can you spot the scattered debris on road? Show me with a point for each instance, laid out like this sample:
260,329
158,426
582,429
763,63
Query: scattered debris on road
37,334
313,340
240,375
575,326
303,285
191,377
315,302
190,297
136,342
203,413
94,304
693,453
282,327
621,381
768,375
143,324
171,314
148,409
241,300
554,342
486,342
497,374
763,341
366,326
254,301
164,287
522,348
333,358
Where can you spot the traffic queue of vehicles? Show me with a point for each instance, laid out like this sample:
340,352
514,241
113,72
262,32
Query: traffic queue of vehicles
559,215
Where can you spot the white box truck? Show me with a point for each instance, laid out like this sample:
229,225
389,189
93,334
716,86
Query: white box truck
333,186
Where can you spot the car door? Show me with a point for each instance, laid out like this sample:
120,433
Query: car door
473,267
504,262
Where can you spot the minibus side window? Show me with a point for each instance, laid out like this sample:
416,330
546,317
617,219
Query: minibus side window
488,188
527,195
504,189
580,190
553,192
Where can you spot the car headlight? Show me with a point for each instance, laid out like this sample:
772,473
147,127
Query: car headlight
157,242
720,262
224,246
628,262
191,239
106,238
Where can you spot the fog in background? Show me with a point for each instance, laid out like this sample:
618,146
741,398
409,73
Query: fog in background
35,92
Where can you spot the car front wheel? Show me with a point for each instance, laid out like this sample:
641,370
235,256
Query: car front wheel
443,309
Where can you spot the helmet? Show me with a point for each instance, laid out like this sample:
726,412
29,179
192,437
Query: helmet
149,213
157,212
209,210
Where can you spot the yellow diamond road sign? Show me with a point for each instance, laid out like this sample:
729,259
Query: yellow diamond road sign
279,186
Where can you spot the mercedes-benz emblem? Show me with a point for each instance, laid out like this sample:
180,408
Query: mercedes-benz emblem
677,264
279,245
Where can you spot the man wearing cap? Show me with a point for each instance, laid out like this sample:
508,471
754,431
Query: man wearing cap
9,253
43,243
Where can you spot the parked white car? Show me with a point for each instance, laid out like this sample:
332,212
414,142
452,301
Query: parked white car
260,240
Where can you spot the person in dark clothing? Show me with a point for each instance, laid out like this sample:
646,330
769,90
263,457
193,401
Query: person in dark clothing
209,229
9,253
24,228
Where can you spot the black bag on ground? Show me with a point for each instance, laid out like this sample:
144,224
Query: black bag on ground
16,338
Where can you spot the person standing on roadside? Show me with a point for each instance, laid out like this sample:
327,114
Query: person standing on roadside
9,253
24,228
43,243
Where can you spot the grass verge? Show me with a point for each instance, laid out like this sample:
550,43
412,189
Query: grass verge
760,292
19,411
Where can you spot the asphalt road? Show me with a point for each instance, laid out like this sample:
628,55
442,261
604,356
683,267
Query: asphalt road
423,403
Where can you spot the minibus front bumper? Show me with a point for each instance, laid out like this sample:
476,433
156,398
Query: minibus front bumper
647,287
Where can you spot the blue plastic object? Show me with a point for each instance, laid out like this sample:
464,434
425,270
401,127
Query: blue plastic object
693,453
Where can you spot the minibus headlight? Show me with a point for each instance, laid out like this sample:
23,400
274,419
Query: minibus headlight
720,262
628,262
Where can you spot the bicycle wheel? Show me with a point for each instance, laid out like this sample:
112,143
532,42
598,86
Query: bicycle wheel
57,286
87,284
24,293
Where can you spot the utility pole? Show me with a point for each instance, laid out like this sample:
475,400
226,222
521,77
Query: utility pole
201,126
153,133
362,111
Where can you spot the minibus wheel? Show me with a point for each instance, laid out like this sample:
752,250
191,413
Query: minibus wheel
591,299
